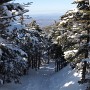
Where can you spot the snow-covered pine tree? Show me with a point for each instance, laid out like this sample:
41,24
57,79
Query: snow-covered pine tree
13,62
83,18
76,24
18,35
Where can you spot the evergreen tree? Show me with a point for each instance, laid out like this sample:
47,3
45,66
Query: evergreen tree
14,60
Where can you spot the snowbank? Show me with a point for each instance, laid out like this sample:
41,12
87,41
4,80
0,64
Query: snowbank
66,79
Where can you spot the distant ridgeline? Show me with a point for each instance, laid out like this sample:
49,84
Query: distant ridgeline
44,20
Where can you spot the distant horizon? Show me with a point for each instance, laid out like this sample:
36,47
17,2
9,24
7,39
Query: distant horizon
43,14
44,20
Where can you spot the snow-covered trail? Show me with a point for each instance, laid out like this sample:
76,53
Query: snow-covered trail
47,79
35,80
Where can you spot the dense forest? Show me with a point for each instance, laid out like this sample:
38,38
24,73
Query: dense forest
26,47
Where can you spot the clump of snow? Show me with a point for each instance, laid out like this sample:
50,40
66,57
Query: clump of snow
70,53
15,48
0,52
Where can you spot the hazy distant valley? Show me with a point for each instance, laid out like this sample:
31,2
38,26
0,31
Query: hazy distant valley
44,20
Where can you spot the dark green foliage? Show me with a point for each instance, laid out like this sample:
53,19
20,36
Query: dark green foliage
4,1
84,36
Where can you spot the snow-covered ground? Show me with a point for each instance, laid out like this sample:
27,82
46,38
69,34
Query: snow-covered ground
47,79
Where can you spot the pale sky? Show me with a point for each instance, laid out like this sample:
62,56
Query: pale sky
48,6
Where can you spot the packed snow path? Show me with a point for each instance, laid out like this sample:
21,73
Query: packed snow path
47,79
